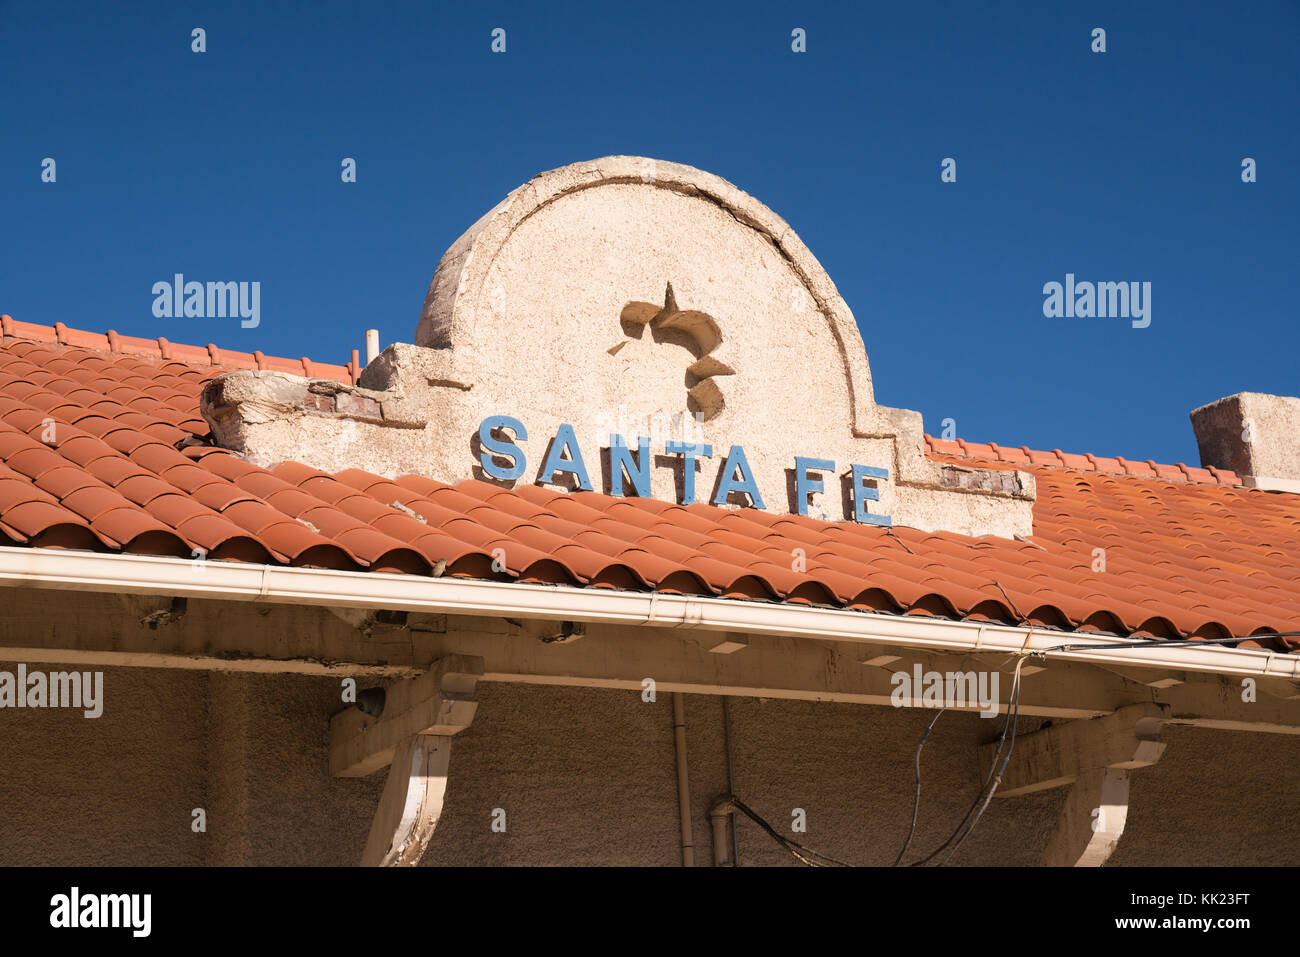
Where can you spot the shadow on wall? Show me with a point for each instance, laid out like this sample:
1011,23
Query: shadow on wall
578,776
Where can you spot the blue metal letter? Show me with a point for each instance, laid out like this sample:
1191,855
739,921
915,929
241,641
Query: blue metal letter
495,446
565,441
688,451
862,494
736,460
805,485
620,457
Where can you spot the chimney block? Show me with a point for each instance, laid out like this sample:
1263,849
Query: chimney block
1255,435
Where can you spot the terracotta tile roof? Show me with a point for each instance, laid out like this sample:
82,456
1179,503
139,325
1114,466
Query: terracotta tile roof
102,447
992,455
201,356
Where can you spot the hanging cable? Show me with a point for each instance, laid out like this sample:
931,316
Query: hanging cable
731,780
994,777
1012,720
1163,642
806,855
992,780
916,800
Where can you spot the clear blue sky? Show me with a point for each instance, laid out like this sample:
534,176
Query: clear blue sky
1117,166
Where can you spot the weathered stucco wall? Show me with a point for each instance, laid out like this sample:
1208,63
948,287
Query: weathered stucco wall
117,789
273,799
584,777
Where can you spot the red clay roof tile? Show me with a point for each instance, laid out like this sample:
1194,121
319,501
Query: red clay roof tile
124,525
33,517
1187,550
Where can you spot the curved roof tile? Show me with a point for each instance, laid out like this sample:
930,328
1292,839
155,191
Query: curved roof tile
1187,551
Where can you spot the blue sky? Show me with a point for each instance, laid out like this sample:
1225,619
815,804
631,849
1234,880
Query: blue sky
1122,166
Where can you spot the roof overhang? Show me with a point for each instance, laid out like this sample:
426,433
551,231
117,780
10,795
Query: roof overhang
235,581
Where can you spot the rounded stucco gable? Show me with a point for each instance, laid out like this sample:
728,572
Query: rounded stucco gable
578,250
631,327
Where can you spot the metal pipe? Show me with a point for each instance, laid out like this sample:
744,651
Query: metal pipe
719,816
731,778
683,782
372,345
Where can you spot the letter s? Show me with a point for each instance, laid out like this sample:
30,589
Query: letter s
496,447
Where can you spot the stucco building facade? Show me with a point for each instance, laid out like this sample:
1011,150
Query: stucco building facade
623,532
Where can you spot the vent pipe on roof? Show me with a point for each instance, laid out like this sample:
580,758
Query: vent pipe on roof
372,345
1255,435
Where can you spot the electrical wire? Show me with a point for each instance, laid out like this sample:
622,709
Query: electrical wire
916,800
1002,741
805,854
731,779
1164,642
993,780
994,777
1012,720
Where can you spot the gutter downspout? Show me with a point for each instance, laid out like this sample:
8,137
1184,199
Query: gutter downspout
720,816
731,782
683,782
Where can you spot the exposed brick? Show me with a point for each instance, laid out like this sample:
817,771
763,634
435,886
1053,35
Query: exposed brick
353,404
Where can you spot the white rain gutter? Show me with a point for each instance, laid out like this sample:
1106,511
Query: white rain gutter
238,581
